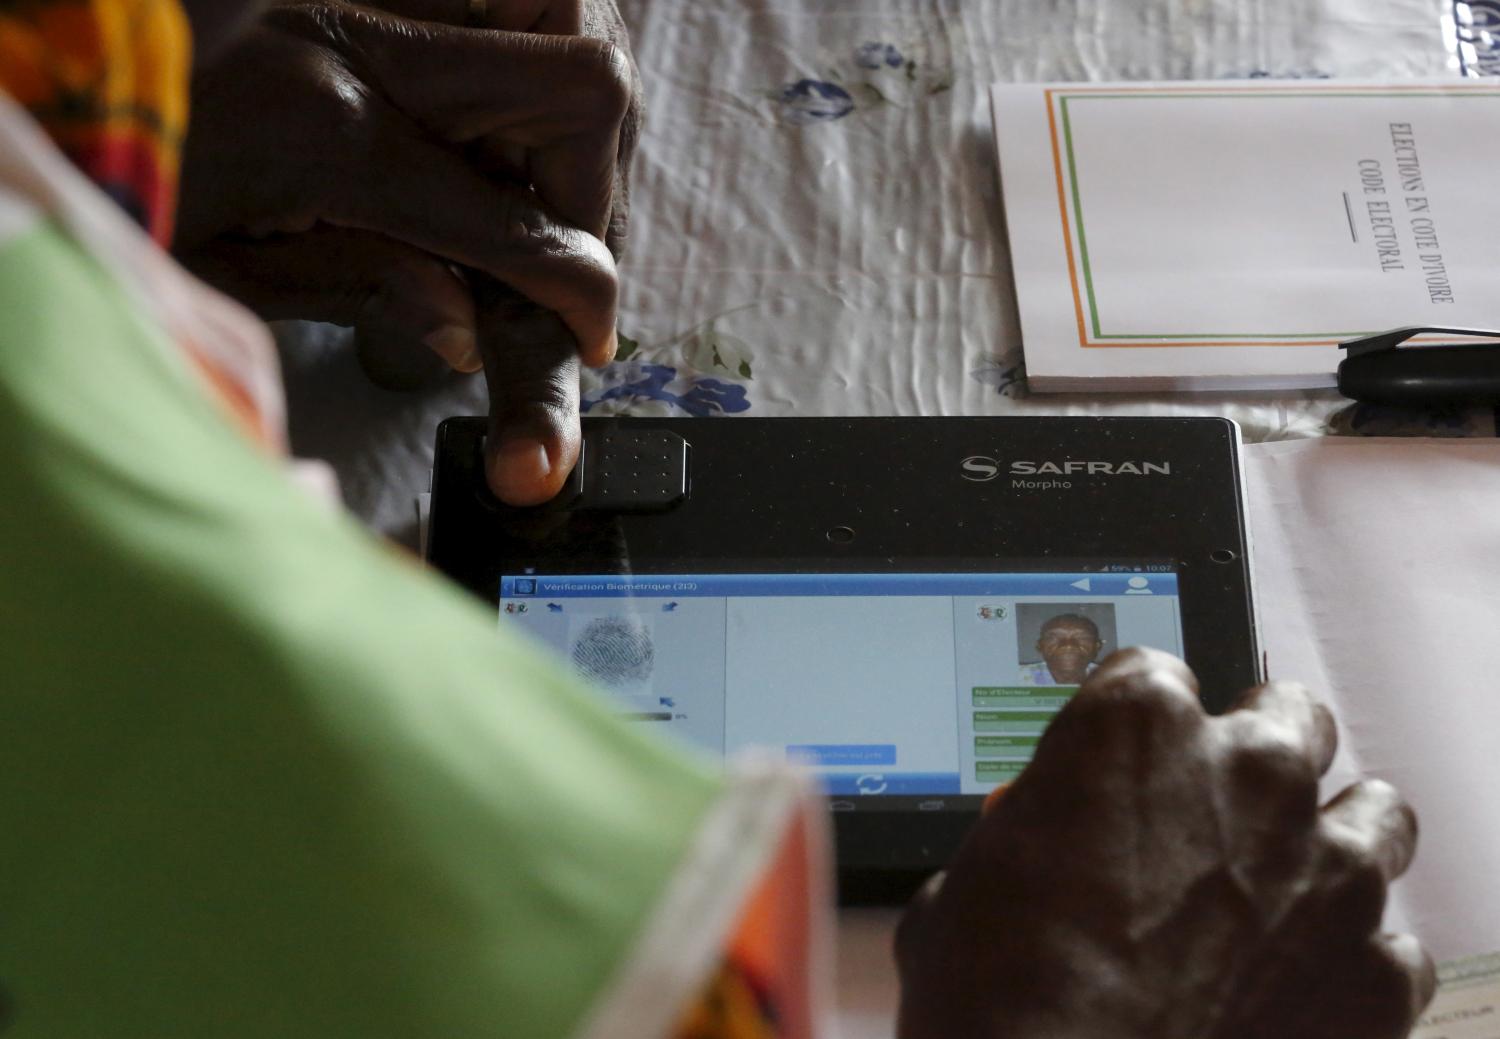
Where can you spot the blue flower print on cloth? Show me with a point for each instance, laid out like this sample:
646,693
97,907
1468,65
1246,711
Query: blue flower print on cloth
700,372
863,77
1007,376
878,55
634,386
814,101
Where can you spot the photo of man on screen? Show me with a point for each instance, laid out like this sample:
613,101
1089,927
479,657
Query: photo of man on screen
1069,645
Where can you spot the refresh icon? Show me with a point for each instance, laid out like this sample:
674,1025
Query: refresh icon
871,783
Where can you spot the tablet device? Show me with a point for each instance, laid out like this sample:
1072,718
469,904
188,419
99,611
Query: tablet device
898,605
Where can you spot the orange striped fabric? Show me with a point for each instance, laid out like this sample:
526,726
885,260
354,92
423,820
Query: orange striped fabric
763,988
107,80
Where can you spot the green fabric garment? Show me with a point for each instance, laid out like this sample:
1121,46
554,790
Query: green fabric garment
258,775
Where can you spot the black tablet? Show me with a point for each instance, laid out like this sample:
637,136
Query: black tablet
898,605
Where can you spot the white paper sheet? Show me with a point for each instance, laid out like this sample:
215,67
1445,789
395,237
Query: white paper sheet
1215,235
1377,568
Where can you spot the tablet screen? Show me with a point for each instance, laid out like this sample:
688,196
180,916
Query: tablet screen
887,685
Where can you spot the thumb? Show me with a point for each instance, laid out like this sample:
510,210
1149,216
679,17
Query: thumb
531,365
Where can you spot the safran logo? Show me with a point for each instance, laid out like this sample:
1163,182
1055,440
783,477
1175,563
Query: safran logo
983,468
980,468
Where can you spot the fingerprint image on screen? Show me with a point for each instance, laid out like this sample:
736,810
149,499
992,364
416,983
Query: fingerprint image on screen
616,652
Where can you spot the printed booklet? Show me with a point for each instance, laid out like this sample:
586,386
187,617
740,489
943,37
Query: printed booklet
1228,235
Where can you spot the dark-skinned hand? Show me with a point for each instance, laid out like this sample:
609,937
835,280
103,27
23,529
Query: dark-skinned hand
374,168
1156,873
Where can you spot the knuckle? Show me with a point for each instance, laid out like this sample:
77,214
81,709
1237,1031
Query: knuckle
1387,814
313,21
1327,725
1353,881
1379,792
601,285
1140,681
1404,828
346,112
1400,817
341,104
1409,828
1265,757
1129,659
1131,713
593,281
1400,979
522,223
1164,668
335,105
1130,656
607,77
1347,858
1416,963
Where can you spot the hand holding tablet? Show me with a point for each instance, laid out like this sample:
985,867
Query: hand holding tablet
1170,874
922,612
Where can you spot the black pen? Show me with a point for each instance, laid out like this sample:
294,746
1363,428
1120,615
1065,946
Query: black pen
1379,370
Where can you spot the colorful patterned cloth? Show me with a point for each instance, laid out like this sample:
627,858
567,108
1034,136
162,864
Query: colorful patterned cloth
107,80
